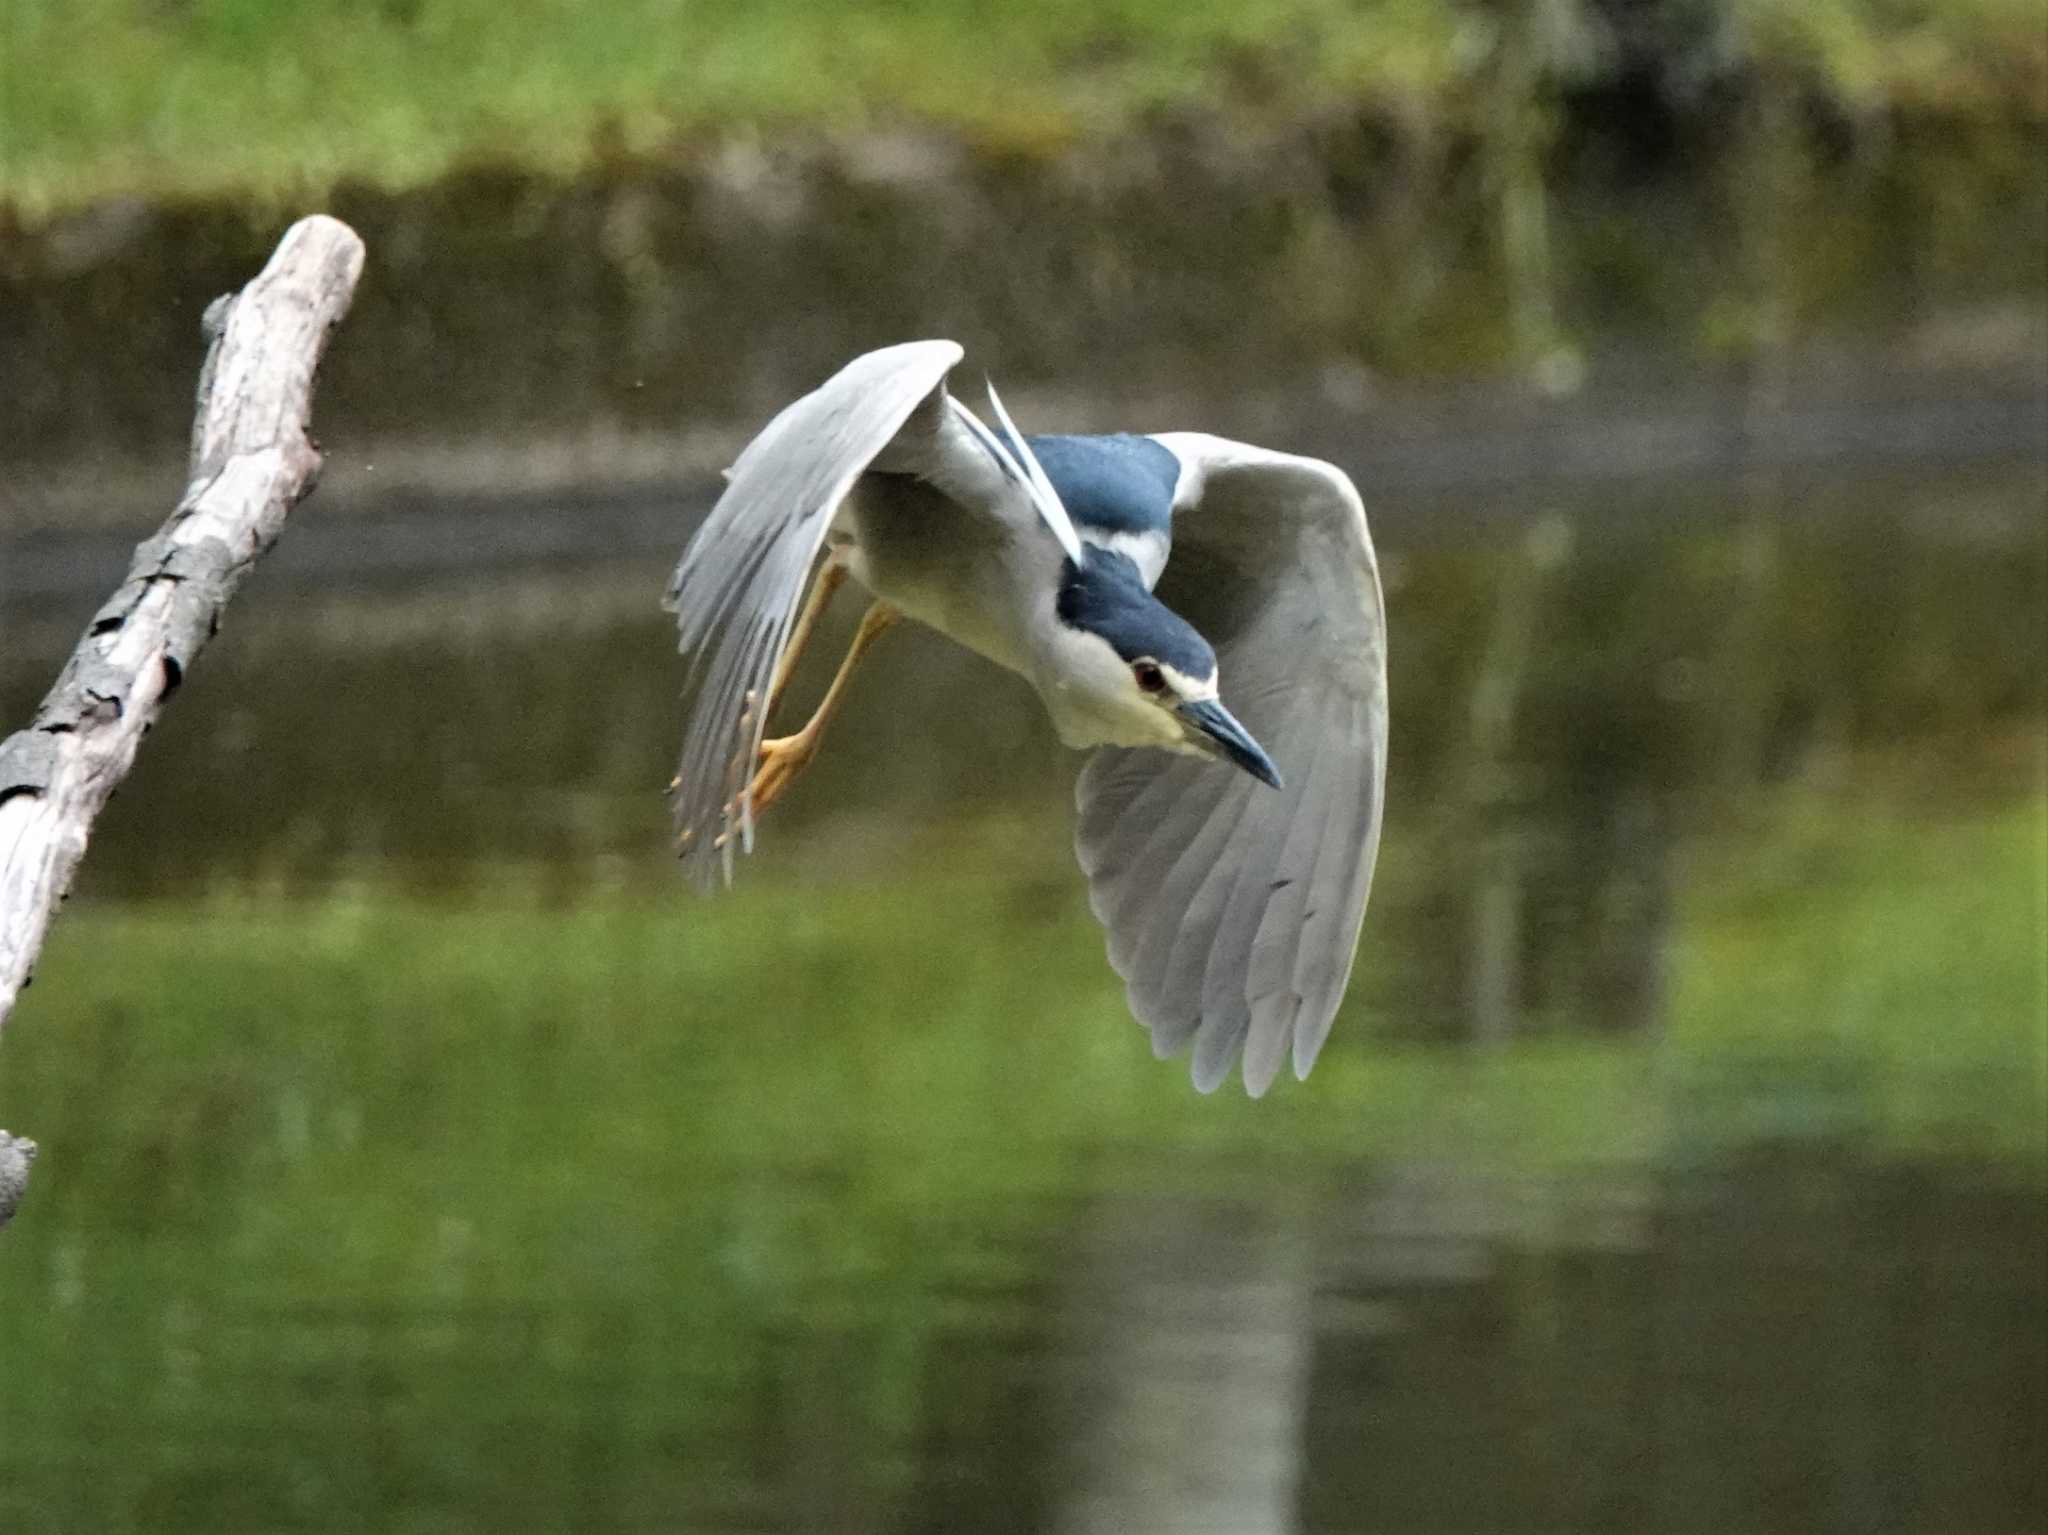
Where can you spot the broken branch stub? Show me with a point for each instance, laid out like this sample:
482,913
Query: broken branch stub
252,462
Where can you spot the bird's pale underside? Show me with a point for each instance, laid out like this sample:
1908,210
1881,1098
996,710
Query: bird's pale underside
1232,909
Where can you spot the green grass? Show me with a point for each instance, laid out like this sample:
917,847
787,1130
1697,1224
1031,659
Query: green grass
282,100
113,95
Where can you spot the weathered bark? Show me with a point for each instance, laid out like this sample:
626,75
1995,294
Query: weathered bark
252,462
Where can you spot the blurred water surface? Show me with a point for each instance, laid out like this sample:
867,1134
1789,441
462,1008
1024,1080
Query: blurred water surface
419,1157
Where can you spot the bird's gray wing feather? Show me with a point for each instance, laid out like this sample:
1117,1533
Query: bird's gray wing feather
742,578
1232,910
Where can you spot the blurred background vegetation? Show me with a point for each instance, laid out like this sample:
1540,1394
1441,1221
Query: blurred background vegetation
109,97
419,1157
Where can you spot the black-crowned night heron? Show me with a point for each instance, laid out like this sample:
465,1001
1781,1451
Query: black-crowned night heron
1231,890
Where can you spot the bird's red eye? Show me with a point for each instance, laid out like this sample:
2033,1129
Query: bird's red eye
1149,676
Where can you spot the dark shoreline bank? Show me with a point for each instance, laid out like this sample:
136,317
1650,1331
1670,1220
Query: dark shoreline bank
1184,263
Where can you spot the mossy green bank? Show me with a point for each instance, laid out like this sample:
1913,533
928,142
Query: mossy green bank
279,100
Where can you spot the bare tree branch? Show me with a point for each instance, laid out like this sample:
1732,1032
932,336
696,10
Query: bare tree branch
252,462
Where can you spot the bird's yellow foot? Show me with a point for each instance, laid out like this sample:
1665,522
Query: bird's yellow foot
786,756
781,760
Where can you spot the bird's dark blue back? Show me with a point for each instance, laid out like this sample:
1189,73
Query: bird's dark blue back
1115,484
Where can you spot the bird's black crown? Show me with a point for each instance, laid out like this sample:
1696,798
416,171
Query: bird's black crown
1105,596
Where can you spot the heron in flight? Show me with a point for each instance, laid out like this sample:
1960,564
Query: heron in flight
1204,615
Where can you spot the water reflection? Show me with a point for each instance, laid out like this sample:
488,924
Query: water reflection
1771,1346
417,1158
1800,1340
1563,713
1188,1331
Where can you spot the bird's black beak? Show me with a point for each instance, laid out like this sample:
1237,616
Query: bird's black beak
1211,728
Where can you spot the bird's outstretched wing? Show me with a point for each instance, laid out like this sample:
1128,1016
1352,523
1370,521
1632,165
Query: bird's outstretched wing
1232,910
741,581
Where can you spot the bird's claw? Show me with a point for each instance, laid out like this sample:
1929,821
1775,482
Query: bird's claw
684,837
780,762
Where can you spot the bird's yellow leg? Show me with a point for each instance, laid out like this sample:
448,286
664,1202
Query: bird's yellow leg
829,580
783,759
